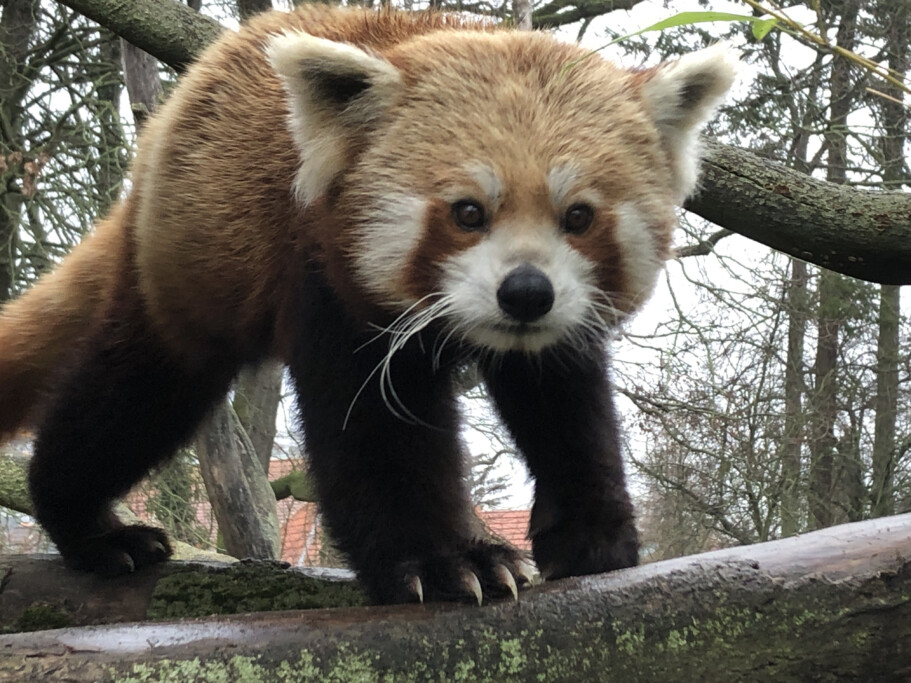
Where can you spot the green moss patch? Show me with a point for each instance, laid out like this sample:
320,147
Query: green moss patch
246,587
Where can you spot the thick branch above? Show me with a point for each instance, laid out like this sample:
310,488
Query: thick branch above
562,12
860,233
830,605
171,31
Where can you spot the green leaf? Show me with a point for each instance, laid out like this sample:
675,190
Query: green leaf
761,26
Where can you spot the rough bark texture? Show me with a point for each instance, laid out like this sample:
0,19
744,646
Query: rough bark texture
831,605
38,592
140,73
792,439
298,485
171,31
563,12
823,402
242,500
14,481
882,497
863,234
521,14
257,393
17,25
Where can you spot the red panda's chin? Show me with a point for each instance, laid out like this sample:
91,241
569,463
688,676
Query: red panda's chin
528,337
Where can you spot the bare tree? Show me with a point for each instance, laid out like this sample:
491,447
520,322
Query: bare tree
895,18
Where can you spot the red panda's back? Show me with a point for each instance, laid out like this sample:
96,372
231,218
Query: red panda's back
216,225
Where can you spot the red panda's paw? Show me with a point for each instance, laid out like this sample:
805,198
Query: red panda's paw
485,570
578,549
120,551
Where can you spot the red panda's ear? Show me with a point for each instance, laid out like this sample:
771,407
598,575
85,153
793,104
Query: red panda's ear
682,94
336,93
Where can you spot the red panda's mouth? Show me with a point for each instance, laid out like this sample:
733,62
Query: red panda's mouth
518,329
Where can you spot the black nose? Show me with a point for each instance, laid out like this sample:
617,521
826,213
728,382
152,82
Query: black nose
526,294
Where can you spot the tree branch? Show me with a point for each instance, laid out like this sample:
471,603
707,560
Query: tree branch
169,30
856,232
563,12
703,248
828,605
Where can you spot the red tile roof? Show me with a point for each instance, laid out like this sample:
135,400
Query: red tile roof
510,525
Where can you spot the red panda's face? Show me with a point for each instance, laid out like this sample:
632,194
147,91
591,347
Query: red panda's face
517,190
511,258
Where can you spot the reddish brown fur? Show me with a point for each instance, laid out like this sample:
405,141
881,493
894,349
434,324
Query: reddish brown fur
228,244
236,246
212,262
38,329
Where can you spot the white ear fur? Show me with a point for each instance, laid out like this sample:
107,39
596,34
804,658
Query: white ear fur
682,95
336,91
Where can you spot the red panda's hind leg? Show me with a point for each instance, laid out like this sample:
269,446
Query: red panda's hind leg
123,406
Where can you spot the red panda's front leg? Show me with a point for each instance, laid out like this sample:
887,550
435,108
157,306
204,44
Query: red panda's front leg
559,409
389,471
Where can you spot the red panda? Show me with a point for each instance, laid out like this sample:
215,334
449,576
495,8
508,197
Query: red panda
376,199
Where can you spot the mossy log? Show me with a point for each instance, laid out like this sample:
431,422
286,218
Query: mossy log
830,605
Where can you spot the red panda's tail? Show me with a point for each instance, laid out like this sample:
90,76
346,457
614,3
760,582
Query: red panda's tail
39,328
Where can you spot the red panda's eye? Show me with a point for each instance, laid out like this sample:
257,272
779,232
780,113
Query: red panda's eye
469,215
578,218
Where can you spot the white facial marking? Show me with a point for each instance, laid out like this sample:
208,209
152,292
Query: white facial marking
481,177
471,280
489,181
565,190
561,180
388,239
640,257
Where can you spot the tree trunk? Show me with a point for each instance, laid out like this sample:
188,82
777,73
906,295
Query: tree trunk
792,440
830,605
896,16
111,164
17,25
882,501
824,406
242,500
521,14
140,72
257,393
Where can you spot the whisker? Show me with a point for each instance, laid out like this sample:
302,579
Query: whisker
405,327
399,321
